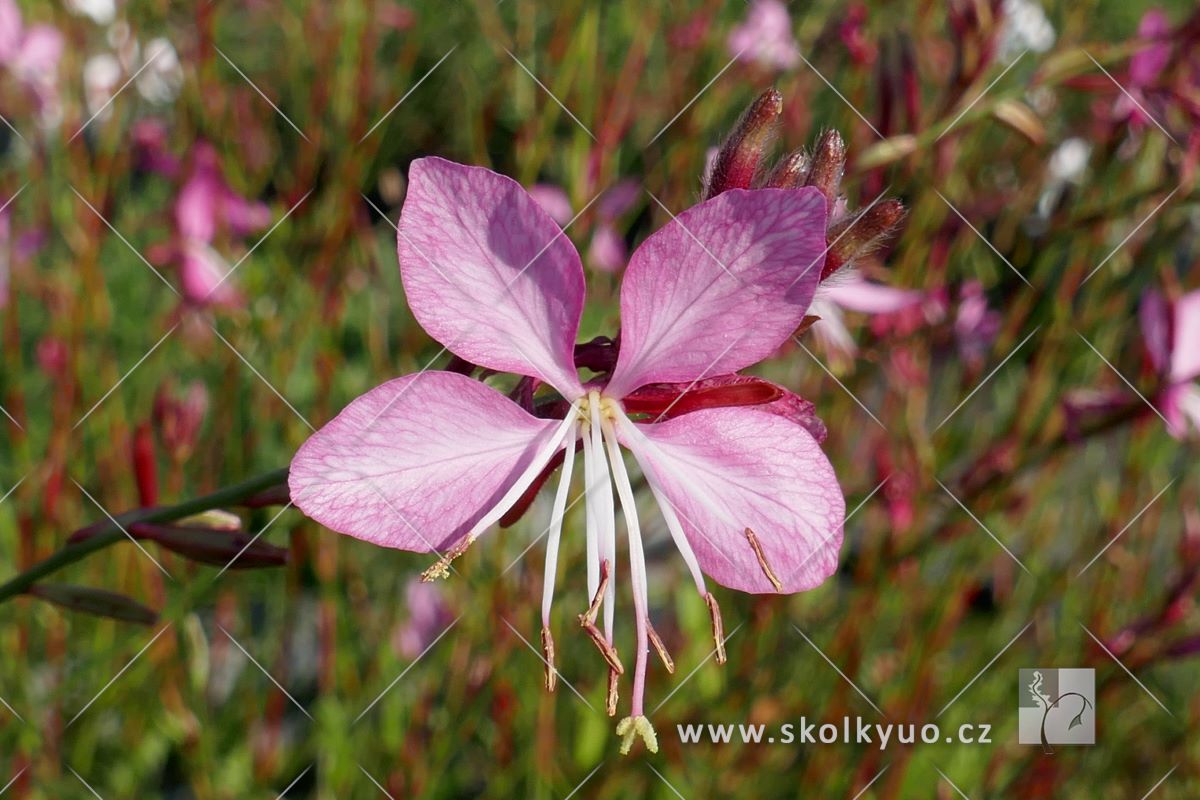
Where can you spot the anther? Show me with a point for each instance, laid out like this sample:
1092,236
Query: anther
661,648
548,651
762,560
611,700
441,567
718,630
607,650
589,616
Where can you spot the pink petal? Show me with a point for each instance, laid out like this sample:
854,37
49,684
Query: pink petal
412,464
203,277
1155,317
1185,344
871,298
607,252
196,207
553,200
1146,64
10,30
489,274
241,215
727,469
40,52
1180,406
720,287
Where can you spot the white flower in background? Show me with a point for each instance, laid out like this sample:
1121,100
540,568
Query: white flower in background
101,76
1067,165
1069,160
160,81
1026,27
102,12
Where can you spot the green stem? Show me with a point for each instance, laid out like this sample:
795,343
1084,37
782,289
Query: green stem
112,530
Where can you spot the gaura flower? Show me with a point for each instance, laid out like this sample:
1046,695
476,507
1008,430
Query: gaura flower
765,37
1171,333
430,461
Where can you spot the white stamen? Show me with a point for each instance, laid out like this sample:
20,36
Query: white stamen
606,511
556,523
589,501
527,477
637,563
666,509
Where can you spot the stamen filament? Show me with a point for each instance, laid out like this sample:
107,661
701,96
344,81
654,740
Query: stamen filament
762,560
556,523
606,511
637,564
441,568
666,509
594,607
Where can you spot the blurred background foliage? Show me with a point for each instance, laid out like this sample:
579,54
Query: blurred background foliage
315,110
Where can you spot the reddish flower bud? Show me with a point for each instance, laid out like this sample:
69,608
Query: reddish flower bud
854,237
145,468
828,164
212,546
790,173
737,164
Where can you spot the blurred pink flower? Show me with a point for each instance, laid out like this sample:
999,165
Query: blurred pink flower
1171,334
428,617
975,324
746,492
852,292
203,276
178,418
1145,66
150,148
765,37
52,356
205,202
204,205
607,251
32,55
553,200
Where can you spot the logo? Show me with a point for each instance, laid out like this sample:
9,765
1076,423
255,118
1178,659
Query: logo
1056,706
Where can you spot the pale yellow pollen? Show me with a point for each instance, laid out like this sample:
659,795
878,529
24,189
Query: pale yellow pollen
632,727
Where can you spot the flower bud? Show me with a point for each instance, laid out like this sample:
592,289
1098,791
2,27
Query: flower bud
94,601
854,237
738,161
212,546
791,172
828,164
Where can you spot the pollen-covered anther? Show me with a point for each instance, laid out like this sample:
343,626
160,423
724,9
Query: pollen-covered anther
718,629
632,727
762,560
607,650
657,641
610,703
548,654
589,617
441,567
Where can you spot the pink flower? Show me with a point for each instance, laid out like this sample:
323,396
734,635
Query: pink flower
1145,66
204,205
428,617
853,293
429,462
205,202
766,36
975,324
1171,333
607,251
32,54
